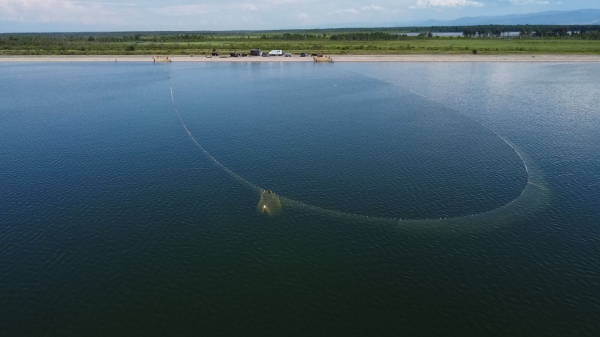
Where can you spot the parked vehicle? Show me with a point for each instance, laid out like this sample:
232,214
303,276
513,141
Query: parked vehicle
235,54
303,55
276,52
214,53
287,54
314,55
255,52
265,55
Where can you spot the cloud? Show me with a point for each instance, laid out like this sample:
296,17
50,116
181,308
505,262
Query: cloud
371,8
249,7
529,2
346,11
358,10
445,3
279,2
53,11
184,10
133,15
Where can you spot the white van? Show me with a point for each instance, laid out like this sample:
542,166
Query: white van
276,53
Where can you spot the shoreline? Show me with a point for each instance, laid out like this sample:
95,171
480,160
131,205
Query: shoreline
553,58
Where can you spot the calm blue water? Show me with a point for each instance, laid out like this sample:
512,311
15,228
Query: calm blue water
113,222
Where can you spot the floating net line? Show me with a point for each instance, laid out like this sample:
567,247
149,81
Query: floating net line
511,145
270,202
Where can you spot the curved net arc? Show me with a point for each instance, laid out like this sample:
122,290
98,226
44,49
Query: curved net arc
271,202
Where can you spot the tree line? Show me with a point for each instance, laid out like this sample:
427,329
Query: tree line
345,34
503,28
375,36
539,32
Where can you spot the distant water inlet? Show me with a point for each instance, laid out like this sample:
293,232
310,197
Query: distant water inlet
367,154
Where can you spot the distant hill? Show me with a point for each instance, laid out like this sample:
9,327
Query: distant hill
578,17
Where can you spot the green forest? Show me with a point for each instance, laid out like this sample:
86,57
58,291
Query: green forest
489,39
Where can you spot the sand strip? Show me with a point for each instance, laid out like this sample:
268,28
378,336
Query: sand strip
336,58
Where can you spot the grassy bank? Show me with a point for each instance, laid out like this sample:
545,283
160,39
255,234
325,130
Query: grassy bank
200,45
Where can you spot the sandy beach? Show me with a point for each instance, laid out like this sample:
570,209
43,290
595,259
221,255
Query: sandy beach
337,58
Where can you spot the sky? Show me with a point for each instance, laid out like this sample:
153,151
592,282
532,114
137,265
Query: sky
153,15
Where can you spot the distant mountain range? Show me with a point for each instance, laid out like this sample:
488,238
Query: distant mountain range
577,17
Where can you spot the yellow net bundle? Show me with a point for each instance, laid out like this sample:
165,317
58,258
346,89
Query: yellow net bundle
326,59
269,202
161,59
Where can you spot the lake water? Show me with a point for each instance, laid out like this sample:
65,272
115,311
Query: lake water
416,199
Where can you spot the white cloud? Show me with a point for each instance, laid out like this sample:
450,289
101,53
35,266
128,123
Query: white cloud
346,11
371,8
130,15
445,3
530,2
249,7
53,11
184,10
358,10
279,2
